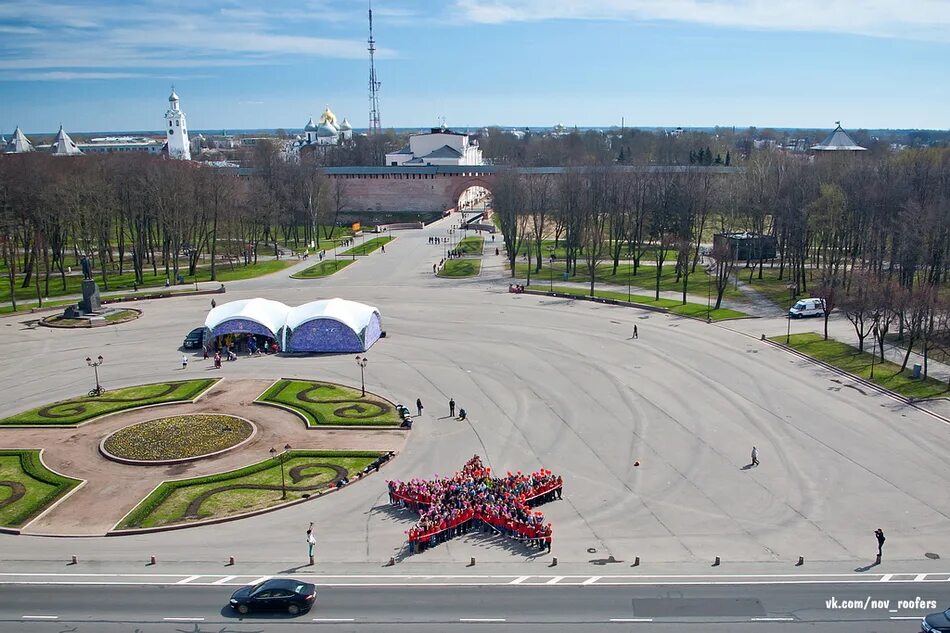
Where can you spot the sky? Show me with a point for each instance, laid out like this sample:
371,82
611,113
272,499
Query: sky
108,65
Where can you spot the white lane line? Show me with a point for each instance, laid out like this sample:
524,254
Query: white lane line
554,580
184,619
591,580
224,580
905,617
919,577
482,620
772,619
631,619
892,610
40,617
261,579
519,580
334,619
886,577
185,581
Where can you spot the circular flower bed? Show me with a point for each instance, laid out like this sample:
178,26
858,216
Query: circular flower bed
176,438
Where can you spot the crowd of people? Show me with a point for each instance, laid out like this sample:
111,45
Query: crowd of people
515,288
473,499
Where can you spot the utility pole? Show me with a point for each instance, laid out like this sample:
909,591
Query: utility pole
375,129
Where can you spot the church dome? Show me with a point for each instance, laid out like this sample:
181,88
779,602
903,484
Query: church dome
311,126
345,126
327,129
328,117
173,96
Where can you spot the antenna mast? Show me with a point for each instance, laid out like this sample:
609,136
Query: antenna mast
375,129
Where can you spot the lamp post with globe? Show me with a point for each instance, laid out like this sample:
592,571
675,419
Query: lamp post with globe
98,390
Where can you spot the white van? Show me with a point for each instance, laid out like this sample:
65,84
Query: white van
806,308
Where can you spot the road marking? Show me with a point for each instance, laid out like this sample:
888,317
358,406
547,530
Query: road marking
772,619
905,617
185,581
184,619
554,580
919,577
519,580
261,579
631,619
334,619
892,610
40,617
224,580
886,577
482,620
591,580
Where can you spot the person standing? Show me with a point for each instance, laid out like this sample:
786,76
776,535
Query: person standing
755,456
311,541
879,533
635,333
184,362
451,407
419,406
383,246
213,304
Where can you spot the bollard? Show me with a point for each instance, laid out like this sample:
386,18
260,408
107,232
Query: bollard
472,564
716,562
230,560
763,338
636,562
611,559
75,560
554,562
151,559
801,561
392,561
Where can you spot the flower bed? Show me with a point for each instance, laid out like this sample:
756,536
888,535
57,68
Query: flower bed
176,438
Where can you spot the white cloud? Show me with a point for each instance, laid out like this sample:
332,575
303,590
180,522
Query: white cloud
915,19
65,75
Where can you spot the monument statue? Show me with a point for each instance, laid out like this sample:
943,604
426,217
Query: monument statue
86,268
90,291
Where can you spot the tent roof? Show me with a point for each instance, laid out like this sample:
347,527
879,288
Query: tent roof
270,314
838,140
354,315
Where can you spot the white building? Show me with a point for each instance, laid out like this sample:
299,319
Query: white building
440,146
120,145
176,132
329,132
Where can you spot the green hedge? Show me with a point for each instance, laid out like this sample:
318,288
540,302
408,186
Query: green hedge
158,496
32,466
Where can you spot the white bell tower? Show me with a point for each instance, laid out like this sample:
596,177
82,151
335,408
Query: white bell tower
176,130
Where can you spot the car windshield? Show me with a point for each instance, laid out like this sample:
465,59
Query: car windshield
800,305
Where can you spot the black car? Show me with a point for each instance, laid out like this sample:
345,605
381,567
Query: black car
194,339
936,622
275,594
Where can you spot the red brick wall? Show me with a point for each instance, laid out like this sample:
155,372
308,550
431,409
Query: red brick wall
400,192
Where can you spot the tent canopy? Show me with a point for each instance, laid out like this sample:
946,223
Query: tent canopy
270,314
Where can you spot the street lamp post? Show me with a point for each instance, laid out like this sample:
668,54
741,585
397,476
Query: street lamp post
362,361
791,297
708,295
873,350
95,365
280,460
551,271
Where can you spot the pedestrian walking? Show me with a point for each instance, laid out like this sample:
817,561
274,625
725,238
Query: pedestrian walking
755,456
205,348
311,541
213,304
419,406
217,360
879,533
433,268
635,333
184,362
451,407
383,246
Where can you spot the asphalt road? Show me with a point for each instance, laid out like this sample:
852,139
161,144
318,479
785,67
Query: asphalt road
201,609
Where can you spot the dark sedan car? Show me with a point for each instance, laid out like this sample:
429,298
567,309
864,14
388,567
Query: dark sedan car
936,622
275,594
194,339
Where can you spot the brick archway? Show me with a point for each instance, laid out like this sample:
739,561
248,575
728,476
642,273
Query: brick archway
480,180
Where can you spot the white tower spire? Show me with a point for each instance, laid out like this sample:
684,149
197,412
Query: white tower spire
176,130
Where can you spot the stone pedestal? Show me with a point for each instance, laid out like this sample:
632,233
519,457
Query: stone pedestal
90,297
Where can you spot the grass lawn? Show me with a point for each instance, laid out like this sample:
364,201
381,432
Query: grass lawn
323,403
849,359
126,281
675,307
367,247
644,278
323,269
547,248
306,473
473,245
40,486
77,410
460,268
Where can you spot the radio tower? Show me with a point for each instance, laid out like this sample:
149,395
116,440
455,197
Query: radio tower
375,129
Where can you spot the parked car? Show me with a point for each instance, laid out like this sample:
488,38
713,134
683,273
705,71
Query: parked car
275,594
195,338
806,308
936,622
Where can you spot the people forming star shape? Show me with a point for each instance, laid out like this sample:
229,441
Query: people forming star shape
471,497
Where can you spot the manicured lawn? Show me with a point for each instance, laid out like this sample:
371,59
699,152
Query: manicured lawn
547,248
849,359
323,403
121,315
77,410
323,269
40,486
473,245
126,281
694,310
306,473
460,268
367,247
645,278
